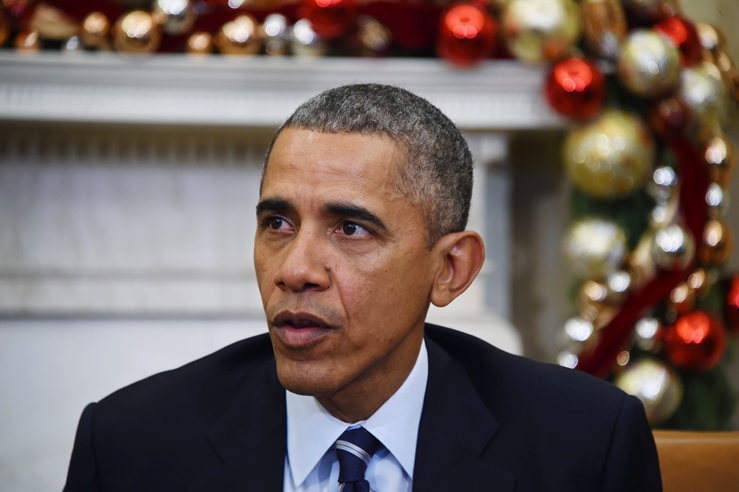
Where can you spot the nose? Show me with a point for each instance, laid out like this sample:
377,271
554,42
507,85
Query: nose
303,265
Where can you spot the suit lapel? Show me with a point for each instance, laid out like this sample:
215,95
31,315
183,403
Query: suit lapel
250,438
455,430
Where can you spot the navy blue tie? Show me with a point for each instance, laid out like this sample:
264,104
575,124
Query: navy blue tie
354,449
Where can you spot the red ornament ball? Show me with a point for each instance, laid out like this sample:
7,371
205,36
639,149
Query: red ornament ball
575,87
330,19
466,34
684,35
669,117
696,341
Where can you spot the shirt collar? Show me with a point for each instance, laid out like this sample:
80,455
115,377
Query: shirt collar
312,430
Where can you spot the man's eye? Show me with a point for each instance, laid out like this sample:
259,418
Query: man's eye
275,223
351,229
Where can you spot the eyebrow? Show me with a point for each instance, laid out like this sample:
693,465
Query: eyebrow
274,205
355,212
347,210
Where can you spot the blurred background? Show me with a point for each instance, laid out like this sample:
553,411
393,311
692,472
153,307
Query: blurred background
132,135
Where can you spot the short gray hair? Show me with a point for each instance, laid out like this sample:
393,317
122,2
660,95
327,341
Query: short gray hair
437,173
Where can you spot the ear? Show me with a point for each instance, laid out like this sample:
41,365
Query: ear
461,255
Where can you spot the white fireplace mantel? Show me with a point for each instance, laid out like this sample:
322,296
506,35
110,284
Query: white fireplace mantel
254,91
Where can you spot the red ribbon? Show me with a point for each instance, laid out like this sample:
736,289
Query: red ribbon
615,336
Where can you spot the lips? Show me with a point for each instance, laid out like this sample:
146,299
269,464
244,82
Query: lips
299,330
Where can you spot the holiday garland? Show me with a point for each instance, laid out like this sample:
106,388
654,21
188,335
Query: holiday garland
647,90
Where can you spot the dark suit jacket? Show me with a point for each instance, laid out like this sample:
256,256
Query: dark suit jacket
491,421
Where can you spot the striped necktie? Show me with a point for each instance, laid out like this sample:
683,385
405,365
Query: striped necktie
354,449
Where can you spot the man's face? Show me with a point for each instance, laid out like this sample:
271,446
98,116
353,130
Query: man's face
342,264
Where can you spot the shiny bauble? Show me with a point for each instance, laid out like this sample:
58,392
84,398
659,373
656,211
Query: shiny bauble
72,46
238,37
95,30
647,12
575,87
662,184
648,64
538,30
595,247
720,158
655,384
700,281
136,32
673,247
604,27
330,19
669,117
597,299
717,242
647,334
684,35
304,41
466,34
577,333
711,40
52,23
681,299
199,43
175,16
704,91
611,156
717,199
696,341
27,41
275,35
373,38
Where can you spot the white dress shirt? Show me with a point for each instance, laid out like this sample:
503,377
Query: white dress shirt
310,463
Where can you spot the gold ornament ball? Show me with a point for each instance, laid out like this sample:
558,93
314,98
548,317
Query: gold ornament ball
538,30
649,63
27,41
175,16
672,247
604,26
720,158
199,43
655,384
275,35
52,23
95,30
136,32
703,90
647,334
717,199
595,247
682,299
304,41
611,156
712,40
717,243
238,37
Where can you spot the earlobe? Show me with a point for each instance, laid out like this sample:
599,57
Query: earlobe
461,255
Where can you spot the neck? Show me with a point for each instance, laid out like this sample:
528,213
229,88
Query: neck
360,399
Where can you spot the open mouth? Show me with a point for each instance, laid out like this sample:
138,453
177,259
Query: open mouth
299,330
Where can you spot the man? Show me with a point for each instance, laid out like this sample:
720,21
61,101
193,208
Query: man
361,225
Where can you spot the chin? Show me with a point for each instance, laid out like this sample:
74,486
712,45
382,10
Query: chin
304,381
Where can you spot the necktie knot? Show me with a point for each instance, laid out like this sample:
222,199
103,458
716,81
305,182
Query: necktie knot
354,449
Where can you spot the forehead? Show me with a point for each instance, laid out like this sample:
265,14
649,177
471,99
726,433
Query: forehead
308,159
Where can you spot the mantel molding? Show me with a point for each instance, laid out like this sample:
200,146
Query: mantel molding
256,91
